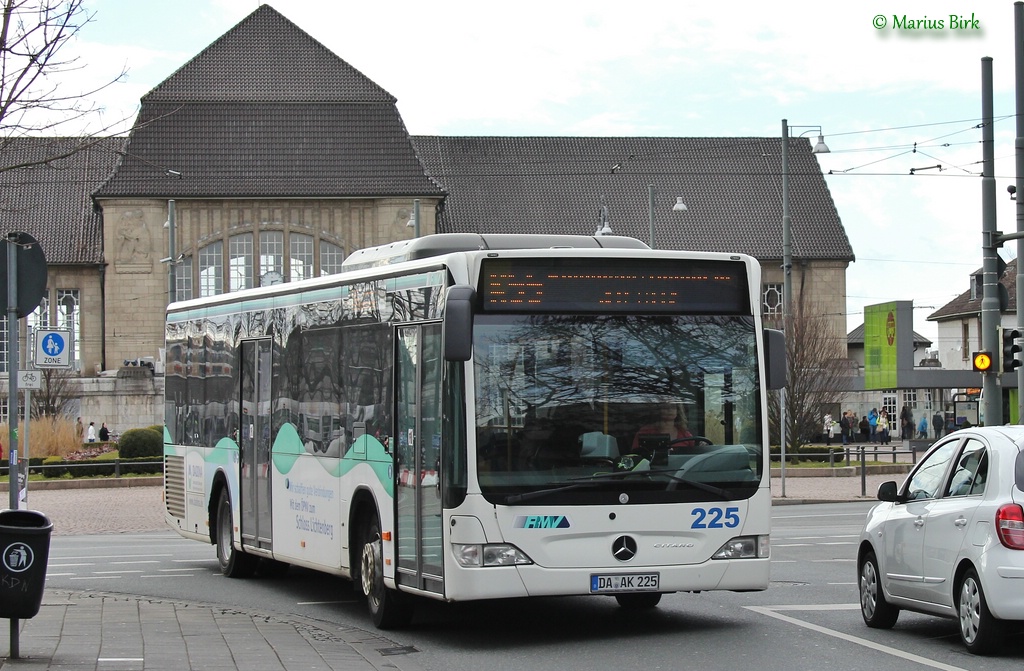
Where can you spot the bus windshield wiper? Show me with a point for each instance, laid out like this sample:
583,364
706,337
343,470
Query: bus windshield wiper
725,494
574,483
586,481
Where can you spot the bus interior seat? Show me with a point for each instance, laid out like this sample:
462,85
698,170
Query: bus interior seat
597,445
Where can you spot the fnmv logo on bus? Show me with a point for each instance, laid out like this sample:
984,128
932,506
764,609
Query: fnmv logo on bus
542,522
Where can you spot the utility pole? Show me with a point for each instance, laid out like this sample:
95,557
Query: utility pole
992,394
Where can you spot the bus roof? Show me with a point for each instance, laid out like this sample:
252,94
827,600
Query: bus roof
446,243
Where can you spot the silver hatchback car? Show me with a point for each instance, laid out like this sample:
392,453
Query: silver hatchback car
950,540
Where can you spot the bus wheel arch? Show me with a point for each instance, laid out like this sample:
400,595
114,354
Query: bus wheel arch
388,608
234,563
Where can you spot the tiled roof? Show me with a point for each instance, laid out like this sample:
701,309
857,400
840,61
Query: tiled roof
964,306
732,188
260,150
856,337
267,111
50,200
266,57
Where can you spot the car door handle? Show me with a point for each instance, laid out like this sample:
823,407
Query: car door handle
919,522
960,521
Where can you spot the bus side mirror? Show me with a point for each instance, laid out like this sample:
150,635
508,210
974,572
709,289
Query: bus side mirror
775,358
458,323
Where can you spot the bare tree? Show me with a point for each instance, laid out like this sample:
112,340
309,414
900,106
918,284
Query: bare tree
815,377
35,95
55,393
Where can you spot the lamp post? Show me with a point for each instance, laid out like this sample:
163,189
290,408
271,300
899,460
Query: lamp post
679,206
603,227
787,268
414,222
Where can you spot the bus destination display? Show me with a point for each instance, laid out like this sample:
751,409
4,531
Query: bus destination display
617,285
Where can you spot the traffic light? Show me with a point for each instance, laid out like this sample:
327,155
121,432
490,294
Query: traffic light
1008,340
982,362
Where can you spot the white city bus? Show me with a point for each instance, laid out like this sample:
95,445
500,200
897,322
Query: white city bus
463,416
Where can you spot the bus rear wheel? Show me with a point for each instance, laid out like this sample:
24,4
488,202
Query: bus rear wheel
233,563
387,607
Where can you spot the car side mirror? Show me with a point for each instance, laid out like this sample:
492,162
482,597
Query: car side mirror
887,491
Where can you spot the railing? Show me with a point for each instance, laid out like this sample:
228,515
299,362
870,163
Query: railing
863,459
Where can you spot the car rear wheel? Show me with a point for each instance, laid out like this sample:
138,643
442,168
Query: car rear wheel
980,632
876,611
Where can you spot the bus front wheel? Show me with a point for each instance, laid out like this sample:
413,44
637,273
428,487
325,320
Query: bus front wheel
233,563
387,607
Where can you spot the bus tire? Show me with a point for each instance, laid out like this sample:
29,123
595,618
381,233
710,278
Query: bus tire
233,563
388,608
639,600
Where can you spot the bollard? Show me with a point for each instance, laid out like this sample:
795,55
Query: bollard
894,454
863,473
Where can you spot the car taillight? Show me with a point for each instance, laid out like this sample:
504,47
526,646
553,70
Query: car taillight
1010,526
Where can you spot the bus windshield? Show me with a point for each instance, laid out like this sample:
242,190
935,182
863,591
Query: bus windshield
591,408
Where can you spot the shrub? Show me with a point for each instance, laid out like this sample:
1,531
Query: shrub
159,428
135,443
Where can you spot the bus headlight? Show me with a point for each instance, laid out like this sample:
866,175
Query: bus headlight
744,547
498,554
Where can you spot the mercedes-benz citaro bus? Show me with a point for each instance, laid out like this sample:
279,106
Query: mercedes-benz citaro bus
465,416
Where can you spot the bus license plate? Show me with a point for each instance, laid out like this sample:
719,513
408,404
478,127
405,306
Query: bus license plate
624,582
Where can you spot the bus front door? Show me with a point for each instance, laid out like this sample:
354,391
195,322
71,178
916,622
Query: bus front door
418,364
254,480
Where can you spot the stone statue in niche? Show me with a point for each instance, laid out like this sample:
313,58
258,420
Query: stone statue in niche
134,246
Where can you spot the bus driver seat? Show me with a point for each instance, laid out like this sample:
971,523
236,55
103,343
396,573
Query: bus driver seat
597,445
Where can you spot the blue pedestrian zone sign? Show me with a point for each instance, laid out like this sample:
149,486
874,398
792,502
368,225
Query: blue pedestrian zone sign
53,349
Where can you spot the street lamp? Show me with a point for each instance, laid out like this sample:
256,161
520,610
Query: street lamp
679,206
603,227
787,242
414,221
787,268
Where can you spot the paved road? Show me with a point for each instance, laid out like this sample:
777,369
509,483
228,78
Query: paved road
138,509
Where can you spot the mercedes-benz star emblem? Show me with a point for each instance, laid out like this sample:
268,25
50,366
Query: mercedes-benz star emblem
624,548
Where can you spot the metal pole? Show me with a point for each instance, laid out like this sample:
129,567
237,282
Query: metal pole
172,266
992,395
1018,41
787,288
12,397
650,214
416,217
12,367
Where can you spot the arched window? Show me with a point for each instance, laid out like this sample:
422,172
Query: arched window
301,260
211,269
240,268
331,257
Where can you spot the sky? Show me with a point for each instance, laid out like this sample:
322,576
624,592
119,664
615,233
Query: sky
895,86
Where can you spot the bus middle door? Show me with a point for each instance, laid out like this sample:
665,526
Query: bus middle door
254,479
418,365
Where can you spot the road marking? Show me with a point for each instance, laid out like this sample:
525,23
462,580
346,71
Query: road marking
122,572
321,603
773,611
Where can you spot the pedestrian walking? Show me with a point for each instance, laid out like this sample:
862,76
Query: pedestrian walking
882,428
90,436
937,424
828,428
922,429
104,433
873,423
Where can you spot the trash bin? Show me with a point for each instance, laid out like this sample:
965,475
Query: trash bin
25,542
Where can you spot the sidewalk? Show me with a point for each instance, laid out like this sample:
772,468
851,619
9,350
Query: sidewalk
92,631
